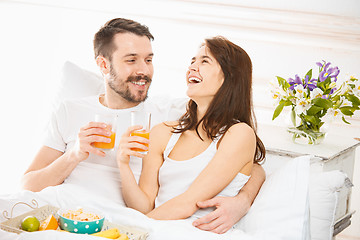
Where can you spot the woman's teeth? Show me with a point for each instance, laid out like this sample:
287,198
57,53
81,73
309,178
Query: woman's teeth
194,80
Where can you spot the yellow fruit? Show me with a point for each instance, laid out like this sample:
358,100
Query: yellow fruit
30,224
50,223
123,237
112,233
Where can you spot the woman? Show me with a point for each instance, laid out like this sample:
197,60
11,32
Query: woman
210,150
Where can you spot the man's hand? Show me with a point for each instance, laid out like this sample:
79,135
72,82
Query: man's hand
92,132
229,210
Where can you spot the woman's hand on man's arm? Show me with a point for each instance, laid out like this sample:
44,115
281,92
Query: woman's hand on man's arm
229,210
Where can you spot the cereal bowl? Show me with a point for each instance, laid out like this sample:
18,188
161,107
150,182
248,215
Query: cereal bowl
81,220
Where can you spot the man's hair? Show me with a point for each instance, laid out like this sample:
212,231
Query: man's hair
103,40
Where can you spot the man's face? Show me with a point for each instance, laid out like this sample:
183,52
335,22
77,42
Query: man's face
131,68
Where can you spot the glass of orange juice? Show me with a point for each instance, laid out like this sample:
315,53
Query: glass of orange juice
110,121
144,119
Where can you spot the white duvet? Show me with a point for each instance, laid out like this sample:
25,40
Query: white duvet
70,195
279,212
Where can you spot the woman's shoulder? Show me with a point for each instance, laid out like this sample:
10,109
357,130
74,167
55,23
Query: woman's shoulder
241,130
161,133
164,127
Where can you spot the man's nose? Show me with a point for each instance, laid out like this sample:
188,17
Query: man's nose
144,68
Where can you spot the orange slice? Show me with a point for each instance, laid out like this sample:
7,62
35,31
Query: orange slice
50,223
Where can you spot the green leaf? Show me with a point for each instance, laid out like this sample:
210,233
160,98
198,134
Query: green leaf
278,110
323,103
346,111
283,83
344,120
314,110
293,117
311,119
353,99
309,73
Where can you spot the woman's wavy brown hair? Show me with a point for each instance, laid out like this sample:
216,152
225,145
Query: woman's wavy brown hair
233,101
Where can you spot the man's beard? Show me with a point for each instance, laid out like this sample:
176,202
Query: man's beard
123,89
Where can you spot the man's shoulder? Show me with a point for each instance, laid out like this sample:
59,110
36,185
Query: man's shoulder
88,100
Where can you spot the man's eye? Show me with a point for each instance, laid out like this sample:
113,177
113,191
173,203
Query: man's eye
130,60
204,61
149,60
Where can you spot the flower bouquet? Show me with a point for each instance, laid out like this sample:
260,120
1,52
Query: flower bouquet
316,100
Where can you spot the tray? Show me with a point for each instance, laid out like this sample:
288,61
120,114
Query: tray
13,224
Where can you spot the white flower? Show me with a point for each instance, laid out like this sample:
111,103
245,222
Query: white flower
345,102
356,89
300,92
342,87
302,105
316,93
332,114
277,94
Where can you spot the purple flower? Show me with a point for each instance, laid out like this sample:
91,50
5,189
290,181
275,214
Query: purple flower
326,72
326,65
334,72
294,82
310,84
319,64
325,96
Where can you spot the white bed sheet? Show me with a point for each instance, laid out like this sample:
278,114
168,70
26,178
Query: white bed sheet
71,195
278,213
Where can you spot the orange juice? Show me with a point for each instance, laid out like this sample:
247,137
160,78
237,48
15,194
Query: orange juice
104,145
141,133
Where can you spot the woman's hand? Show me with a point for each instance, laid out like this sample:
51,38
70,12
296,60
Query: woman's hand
128,143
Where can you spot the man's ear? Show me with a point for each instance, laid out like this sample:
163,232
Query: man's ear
103,64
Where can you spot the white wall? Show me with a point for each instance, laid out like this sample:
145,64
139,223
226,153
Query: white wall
282,37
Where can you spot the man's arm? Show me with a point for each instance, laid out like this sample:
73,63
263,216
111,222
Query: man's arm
51,167
224,217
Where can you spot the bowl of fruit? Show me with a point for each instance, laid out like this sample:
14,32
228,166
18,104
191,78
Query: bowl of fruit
81,220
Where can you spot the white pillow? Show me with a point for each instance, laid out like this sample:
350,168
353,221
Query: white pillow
281,207
324,190
76,82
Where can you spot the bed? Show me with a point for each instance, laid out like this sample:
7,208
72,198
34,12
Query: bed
282,209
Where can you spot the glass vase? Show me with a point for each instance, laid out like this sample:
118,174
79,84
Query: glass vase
303,132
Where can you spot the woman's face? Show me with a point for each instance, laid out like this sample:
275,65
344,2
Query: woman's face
204,76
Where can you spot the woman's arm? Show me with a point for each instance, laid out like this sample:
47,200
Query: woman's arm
236,149
142,197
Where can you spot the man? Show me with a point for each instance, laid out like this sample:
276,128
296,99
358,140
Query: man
124,55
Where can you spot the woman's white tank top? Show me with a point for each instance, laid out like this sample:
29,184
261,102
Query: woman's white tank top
175,177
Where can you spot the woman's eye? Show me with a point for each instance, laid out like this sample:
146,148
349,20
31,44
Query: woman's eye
204,61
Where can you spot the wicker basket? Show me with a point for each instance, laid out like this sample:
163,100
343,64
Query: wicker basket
14,224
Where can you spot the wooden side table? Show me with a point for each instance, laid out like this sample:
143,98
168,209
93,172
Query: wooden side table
336,152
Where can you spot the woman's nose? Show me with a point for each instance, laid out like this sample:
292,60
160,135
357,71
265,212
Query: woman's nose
193,67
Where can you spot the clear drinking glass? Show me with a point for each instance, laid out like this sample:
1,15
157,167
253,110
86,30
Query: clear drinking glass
110,120
144,119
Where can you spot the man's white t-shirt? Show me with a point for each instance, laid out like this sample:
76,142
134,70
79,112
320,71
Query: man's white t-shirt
100,175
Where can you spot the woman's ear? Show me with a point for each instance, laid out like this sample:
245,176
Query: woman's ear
103,64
